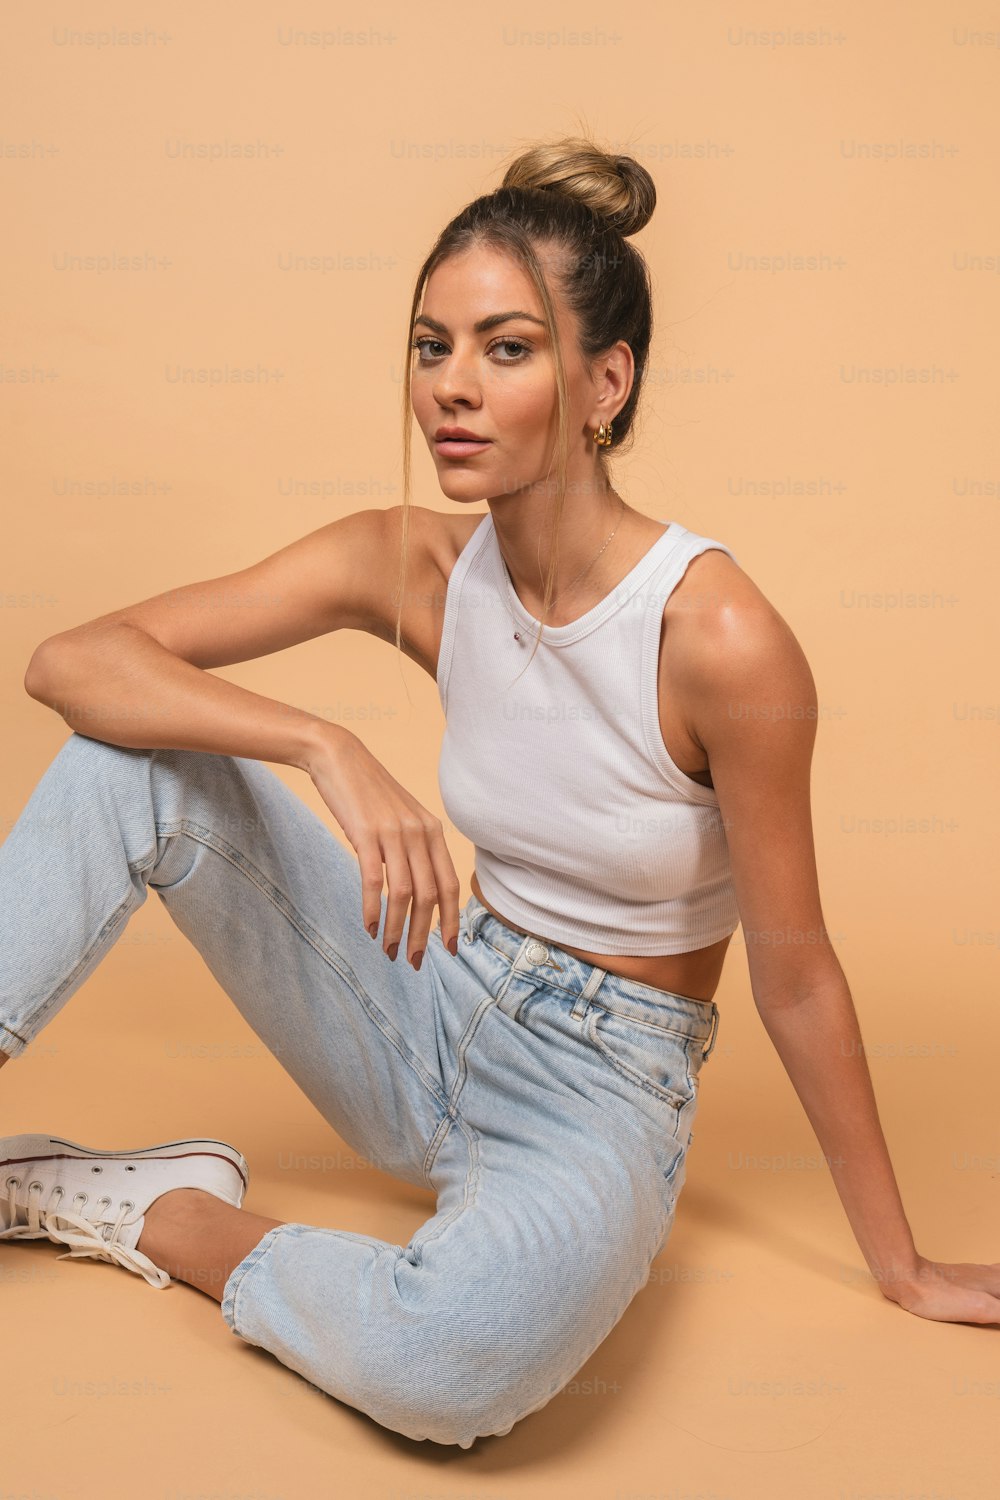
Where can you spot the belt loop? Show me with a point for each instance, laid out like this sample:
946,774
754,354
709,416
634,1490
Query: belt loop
469,918
593,983
714,1031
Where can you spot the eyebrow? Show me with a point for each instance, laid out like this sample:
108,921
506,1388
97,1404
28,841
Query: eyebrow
484,324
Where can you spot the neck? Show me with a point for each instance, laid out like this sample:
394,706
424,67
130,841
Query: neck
528,540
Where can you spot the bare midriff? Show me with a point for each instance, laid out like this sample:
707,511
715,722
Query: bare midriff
695,974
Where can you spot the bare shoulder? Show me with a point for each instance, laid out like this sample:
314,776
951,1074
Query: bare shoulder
711,580
716,603
729,643
434,540
435,537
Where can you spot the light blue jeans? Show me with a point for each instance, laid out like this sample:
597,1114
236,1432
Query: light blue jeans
546,1103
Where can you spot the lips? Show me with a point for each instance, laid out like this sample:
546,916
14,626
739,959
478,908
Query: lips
458,435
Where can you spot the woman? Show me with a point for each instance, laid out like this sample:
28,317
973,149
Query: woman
535,1059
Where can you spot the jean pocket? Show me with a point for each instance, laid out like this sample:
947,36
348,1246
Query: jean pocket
661,1062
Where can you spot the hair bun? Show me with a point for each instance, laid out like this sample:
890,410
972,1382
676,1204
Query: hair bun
617,188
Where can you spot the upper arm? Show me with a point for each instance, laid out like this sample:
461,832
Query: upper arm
337,577
754,709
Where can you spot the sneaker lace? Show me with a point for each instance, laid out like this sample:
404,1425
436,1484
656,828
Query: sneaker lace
85,1238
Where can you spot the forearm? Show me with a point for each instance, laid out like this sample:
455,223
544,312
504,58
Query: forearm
819,1042
120,685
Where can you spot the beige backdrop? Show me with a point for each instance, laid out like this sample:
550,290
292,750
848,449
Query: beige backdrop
822,397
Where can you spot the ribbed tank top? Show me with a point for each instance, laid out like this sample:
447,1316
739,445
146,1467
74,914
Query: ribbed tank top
585,831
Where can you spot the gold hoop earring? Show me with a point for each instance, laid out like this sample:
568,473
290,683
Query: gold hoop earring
602,435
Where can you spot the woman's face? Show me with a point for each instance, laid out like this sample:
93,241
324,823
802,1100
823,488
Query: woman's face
497,382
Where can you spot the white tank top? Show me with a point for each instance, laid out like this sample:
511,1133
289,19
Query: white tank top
585,831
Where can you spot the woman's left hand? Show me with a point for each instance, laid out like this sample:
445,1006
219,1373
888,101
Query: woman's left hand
949,1293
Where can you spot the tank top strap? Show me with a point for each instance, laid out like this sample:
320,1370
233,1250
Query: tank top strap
456,580
669,572
660,588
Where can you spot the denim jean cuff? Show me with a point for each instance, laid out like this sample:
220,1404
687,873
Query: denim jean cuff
235,1280
11,1043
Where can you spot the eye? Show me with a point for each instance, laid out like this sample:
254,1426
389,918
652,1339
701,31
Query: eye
511,343
524,350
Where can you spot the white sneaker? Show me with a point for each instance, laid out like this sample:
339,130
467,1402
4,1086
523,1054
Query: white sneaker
96,1201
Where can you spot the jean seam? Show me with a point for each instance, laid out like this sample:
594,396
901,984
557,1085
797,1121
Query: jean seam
11,1042
327,954
137,866
441,1131
469,1190
320,947
461,1075
128,903
624,1015
673,1099
682,1153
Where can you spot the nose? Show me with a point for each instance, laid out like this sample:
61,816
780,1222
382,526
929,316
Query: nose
456,379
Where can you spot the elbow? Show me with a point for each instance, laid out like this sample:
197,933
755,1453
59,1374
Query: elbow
824,988
41,676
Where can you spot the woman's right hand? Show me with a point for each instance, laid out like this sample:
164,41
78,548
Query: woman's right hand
386,826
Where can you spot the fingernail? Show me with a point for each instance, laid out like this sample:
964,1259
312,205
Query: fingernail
373,929
394,949
453,947
418,958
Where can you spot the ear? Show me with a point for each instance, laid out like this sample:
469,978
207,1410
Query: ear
613,374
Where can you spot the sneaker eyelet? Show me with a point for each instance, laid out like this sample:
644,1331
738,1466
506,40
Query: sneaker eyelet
39,1185
105,1199
81,1197
15,1180
130,1167
126,1203
97,1169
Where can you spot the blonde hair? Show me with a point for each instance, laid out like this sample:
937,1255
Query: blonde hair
572,194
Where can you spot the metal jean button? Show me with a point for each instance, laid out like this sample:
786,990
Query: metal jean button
536,953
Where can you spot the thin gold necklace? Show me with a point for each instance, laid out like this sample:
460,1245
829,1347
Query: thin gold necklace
517,634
